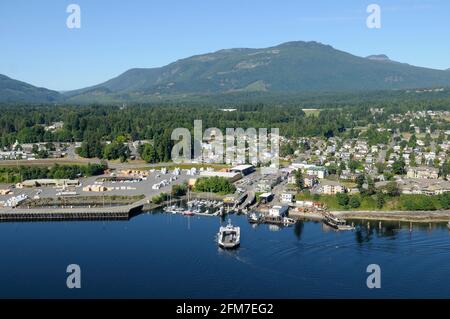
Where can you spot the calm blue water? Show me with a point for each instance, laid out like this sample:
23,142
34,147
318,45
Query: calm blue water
171,256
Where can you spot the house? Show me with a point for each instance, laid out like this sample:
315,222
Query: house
332,188
423,172
424,186
318,171
310,181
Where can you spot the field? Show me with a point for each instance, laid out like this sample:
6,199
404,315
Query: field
312,112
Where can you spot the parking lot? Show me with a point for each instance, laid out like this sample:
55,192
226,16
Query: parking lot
139,186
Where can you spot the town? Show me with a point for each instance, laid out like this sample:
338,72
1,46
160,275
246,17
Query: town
399,165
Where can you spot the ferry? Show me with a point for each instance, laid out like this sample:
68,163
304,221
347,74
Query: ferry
229,236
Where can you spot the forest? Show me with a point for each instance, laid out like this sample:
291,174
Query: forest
103,129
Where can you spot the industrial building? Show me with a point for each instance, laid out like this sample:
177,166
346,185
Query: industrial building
243,169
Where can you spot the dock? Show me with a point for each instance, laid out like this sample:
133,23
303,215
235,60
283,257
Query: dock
123,212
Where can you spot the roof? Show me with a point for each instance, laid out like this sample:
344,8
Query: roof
218,174
242,167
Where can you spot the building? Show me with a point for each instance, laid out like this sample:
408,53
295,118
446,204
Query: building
5,191
95,188
423,186
48,182
332,188
243,169
231,176
287,198
319,172
265,197
278,211
423,172
266,184
310,181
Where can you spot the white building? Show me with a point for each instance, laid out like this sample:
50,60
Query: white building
278,211
287,198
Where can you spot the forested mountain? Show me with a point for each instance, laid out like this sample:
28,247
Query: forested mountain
289,68
286,70
15,91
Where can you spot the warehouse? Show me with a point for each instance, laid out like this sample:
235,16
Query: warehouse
243,169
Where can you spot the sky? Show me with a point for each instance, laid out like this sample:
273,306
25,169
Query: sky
37,47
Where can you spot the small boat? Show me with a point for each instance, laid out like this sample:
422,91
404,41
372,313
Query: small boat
229,236
288,221
188,212
254,218
448,225
336,223
171,209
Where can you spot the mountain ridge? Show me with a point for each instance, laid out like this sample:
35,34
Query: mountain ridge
289,68
12,90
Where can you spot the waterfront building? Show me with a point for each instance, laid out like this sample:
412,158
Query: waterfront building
287,198
278,211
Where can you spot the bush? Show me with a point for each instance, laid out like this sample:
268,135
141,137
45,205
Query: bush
343,199
214,184
418,202
354,202
179,190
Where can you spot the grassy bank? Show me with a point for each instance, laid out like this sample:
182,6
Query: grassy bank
398,203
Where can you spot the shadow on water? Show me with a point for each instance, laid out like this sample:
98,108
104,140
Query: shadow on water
298,229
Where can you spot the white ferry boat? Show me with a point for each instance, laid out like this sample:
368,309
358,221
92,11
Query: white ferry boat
229,236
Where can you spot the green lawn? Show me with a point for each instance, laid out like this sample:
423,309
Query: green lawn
401,203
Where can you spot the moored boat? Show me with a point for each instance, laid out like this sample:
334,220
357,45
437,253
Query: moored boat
336,223
254,218
288,221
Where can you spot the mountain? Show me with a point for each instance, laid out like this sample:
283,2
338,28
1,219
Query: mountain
379,57
16,91
293,67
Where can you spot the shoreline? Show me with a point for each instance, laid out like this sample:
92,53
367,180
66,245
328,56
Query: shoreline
401,216
406,216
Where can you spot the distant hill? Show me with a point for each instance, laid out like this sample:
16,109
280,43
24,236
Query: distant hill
16,91
293,67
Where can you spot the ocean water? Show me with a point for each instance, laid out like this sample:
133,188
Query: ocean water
157,255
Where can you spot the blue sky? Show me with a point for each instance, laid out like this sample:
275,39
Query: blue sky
38,48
